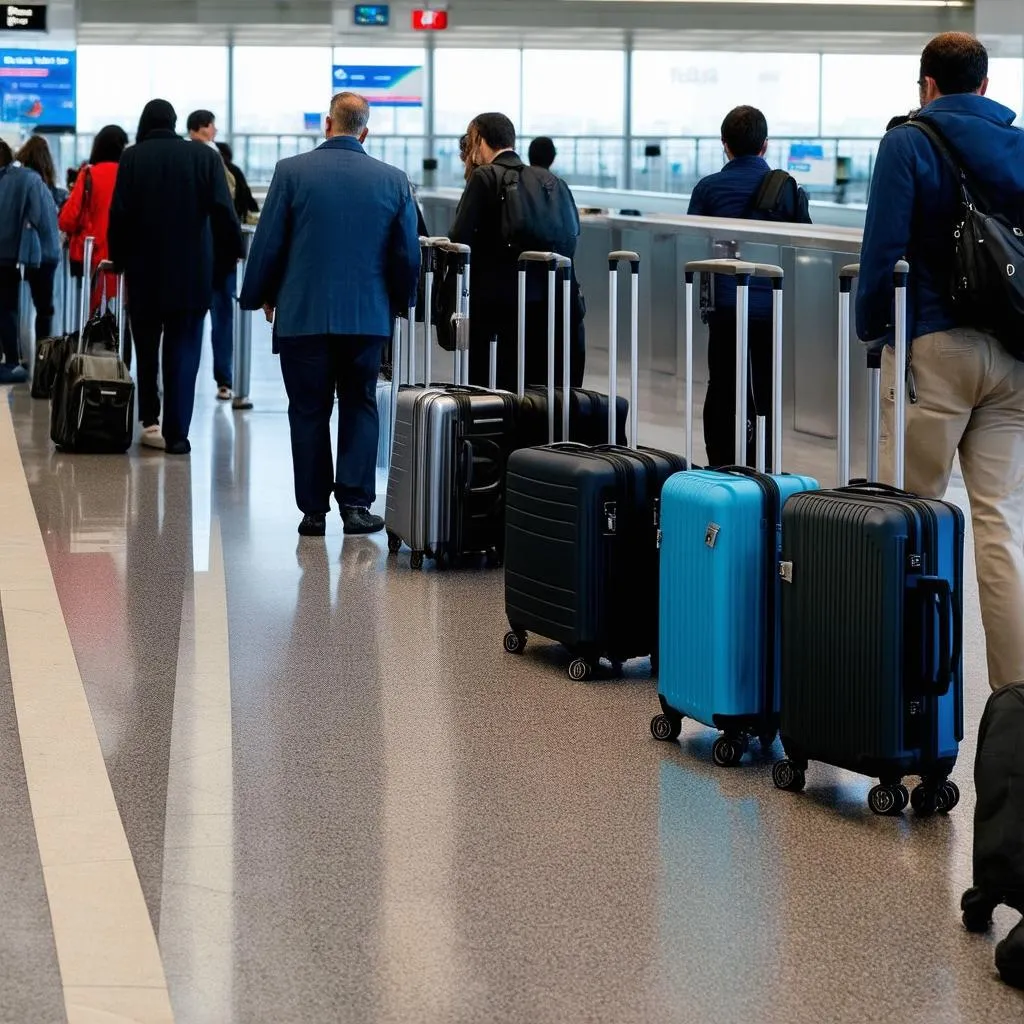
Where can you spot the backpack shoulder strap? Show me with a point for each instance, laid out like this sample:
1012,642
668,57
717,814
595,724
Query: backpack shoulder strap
768,193
971,189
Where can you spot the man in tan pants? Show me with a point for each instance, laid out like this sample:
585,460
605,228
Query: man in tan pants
966,394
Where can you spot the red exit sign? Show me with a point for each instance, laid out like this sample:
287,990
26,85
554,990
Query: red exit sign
429,21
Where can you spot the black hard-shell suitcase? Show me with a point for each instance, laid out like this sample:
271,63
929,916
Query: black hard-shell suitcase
872,621
93,403
999,827
581,554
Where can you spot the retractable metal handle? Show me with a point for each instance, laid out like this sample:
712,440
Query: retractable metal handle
847,275
107,267
85,298
461,354
428,247
614,260
555,262
900,275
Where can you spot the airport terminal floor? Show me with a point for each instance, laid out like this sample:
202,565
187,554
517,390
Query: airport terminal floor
306,784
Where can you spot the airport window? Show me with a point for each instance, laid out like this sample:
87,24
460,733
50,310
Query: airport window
470,82
688,93
191,77
1006,83
275,87
385,119
861,92
594,105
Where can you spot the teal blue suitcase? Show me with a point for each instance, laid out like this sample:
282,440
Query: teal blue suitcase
720,545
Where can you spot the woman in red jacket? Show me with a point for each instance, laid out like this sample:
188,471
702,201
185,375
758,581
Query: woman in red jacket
88,207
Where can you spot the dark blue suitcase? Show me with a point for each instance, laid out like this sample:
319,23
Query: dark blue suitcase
872,624
720,531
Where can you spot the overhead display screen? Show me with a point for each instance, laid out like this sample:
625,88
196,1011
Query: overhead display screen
37,87
372,14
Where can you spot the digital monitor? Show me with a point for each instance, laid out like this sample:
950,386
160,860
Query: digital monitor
37,87
372,14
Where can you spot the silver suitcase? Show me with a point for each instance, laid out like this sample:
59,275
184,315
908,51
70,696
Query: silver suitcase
445,492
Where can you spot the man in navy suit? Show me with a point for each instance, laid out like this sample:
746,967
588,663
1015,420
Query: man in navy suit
335,256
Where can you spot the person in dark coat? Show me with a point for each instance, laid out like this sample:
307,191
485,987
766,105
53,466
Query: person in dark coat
172,228
245,201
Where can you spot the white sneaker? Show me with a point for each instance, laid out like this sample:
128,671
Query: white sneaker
225,394
151,437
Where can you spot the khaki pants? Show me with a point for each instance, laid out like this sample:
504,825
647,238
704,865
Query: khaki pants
970,399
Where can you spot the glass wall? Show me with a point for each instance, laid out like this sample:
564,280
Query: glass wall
469,82
276,86
676,92
115,82
592,105
861,92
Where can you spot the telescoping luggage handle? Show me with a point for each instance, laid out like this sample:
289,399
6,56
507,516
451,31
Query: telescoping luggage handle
428,247
460,318
614,260
84,300
742,271
556,263
107,267
846,278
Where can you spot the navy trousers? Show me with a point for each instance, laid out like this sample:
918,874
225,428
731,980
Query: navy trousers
182,335
222,319
315,369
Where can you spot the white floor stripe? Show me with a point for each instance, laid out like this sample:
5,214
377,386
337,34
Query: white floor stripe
197,900
109,961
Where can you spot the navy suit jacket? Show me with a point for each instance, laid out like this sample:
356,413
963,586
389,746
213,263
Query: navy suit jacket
336,249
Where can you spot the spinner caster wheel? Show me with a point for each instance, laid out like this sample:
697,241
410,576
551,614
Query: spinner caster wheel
666,728
787,776
728,751
416,561
924,800
948,797
977,910
394,543
579,670
885,800
515,642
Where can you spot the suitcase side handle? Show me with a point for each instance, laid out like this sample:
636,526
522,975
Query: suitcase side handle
950,631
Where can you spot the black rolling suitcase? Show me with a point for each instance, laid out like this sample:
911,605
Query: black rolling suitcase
872,622
93,403
999,827
581,546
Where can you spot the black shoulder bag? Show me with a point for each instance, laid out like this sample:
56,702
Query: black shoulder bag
987,281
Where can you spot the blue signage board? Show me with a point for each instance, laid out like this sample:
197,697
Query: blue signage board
312,122
37,87
382,85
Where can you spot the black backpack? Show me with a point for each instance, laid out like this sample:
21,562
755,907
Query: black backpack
987,286
779,198
537,210
999,826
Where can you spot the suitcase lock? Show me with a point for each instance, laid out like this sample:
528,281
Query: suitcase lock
610,518
786,571
711,534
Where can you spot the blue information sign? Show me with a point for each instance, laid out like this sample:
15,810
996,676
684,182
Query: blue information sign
37,87
383,85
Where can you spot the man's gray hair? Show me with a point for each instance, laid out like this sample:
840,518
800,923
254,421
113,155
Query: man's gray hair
350,113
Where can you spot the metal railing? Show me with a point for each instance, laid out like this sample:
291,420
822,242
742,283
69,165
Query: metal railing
595,161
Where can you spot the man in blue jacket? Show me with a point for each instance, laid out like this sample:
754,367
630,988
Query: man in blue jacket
334,257
736,191
966,393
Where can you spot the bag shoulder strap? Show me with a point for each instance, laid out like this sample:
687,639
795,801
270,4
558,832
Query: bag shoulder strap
970,187
766,198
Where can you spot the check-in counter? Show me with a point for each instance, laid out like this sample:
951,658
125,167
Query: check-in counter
810,254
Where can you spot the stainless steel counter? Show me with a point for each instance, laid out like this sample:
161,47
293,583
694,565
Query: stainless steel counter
811,256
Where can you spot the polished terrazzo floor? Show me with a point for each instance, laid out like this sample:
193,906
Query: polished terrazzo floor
345,802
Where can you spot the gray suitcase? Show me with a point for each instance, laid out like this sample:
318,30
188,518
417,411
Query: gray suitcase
446,482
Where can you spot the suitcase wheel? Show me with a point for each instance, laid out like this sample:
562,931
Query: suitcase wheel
786,775
515,641
949,797
977,910
580,669
416,561
394,543
728,751
666,728
889,800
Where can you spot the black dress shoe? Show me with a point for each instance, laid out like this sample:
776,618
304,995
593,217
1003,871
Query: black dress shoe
180,447
361,520
314,525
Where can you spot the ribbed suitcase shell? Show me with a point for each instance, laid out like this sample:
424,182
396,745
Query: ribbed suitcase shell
580,547
851,655
719,554
427,493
